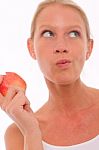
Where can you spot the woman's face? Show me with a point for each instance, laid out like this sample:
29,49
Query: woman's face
60,44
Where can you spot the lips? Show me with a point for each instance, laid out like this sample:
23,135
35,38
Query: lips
63,63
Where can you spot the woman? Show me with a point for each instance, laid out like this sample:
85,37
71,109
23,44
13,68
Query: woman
60,42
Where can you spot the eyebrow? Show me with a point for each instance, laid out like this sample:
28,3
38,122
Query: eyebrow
55,27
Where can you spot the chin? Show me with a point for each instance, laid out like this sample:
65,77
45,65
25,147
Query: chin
62,81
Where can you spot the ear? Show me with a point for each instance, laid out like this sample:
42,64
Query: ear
90,48
31,48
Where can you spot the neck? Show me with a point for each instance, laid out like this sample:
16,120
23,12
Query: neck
68,97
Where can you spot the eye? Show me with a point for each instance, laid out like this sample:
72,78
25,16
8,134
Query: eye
74,34
47,33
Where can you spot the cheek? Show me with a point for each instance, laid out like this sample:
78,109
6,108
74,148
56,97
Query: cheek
43,49
79,56
43,43
79,51
79,62
42,53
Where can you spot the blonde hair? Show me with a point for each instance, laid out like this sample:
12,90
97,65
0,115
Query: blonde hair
69,3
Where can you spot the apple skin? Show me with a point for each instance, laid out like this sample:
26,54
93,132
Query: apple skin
11,79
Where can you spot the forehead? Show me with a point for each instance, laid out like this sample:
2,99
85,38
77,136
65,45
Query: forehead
58,14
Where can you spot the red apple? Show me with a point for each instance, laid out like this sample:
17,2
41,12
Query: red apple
11,79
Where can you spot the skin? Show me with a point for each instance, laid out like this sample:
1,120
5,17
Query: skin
71,114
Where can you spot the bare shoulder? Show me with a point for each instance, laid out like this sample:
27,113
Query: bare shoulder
93,93
13,138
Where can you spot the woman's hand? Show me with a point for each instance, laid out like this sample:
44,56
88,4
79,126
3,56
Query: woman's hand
17,106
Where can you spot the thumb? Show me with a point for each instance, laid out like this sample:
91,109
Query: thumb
27,107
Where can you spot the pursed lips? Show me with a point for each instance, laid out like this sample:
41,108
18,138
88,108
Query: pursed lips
63,63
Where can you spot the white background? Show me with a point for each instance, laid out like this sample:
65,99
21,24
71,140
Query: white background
15,21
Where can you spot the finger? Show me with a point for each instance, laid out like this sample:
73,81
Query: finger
8,98
23,101
11,92
20,99
27,106
16,103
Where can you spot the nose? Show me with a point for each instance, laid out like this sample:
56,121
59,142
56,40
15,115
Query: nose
61,51
61,46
